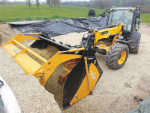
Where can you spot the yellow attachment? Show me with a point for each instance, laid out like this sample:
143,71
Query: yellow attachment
122,57
42,73
89,81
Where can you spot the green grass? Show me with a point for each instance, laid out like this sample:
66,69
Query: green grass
21,12
145,18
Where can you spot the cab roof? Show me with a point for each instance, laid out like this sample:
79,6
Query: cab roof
123,8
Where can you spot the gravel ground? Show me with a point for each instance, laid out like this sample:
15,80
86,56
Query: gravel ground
118,91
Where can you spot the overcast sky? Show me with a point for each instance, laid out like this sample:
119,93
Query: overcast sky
45,0
74,0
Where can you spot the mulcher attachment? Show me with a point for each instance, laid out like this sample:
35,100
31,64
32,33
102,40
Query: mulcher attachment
79,81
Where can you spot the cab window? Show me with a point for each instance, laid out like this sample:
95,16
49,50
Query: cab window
124,17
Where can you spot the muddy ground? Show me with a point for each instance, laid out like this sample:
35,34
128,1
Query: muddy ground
118,91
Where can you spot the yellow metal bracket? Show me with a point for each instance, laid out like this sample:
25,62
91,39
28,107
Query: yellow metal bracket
87,73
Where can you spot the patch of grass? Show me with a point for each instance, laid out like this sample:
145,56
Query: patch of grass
21,12
145,18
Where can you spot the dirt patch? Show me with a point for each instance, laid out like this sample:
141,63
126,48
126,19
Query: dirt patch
54,87
7,33
138,99
0,38
47,53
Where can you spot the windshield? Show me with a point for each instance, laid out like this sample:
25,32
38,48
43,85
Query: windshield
121,16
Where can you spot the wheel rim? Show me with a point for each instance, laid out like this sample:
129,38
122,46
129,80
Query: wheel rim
122,57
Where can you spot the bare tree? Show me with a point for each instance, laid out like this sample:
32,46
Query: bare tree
4,2
29,3
58,3
37,4
49,2
103,4
53,2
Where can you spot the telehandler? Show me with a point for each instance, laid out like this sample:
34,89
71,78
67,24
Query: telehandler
115,40
119,37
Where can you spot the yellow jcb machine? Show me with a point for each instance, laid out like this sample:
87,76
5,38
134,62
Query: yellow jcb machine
120,37
115,40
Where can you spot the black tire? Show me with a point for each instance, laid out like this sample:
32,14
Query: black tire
136,49
114,55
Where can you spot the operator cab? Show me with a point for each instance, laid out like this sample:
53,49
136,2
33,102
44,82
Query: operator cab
127,16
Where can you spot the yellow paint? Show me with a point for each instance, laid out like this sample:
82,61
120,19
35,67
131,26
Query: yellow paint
74,50
83,90
21,38
27,63
114,40
114,30
122,57
94,61
87,73
111,31
104,46
35,33
128,11
11,49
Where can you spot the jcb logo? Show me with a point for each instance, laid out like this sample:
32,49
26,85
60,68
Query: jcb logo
56,59
92,75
